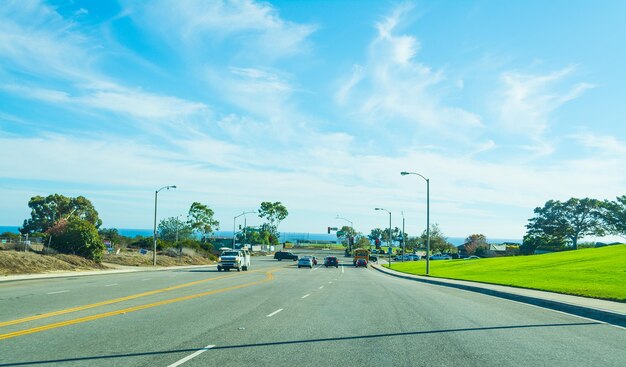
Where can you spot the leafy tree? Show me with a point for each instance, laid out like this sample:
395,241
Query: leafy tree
570,220
345,233
413,243
614,215
375,233
438,241
46,211
362,242
200,219
77,236
475,242
274,213
169,226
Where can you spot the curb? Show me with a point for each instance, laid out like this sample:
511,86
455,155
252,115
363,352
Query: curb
22,277
606,316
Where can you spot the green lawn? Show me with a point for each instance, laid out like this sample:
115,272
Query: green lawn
595,272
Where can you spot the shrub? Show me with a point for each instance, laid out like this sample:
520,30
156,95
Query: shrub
79,237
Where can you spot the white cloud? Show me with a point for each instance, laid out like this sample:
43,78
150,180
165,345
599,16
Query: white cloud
134,103
603,144
393,86
527,101
258,25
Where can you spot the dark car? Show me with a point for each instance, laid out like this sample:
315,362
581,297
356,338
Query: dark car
331,261
361,262
283,255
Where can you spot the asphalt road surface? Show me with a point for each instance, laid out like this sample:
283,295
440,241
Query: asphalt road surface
279,315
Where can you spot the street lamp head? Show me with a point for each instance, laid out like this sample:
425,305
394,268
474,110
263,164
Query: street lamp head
173,186
378,208
404,173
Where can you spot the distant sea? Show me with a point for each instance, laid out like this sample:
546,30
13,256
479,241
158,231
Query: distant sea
284,236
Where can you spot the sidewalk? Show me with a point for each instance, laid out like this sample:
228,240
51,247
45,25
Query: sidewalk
597,309
120,269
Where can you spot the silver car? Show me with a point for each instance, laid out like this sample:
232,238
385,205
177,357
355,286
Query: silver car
306,262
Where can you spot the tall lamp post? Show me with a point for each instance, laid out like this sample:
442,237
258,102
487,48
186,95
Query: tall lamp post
427,217
389,239
403,239
234,225
156,195
352,227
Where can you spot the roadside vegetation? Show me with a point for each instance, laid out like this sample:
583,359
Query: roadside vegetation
593,272
14,262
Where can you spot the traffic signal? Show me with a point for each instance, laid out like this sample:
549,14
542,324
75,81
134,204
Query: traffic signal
377,243
328,230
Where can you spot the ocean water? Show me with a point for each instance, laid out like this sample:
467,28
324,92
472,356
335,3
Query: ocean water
284,236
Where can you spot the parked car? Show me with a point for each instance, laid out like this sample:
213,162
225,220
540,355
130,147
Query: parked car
374,258
331,261
413,257
280,255
360,262
441,257
472,257
305,262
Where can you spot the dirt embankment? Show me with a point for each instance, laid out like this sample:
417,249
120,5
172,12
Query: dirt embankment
14,262
136,259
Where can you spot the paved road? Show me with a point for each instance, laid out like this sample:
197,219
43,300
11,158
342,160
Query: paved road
279,315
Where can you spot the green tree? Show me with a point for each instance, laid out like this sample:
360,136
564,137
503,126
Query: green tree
274,213
47,211
569,220
474,242
200,219
438,241
345,233
614,215
362,242
169,227
375,233
77,236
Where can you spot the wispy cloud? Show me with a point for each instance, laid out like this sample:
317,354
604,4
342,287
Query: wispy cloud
393,86
527,101
256,25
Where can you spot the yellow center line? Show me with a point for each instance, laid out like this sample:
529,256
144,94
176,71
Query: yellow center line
79,320
115,300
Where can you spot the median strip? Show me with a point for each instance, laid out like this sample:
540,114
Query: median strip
79,320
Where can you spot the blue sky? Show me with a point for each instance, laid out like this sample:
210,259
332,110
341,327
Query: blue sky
318,104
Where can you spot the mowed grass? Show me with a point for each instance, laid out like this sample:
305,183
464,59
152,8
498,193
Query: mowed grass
595,272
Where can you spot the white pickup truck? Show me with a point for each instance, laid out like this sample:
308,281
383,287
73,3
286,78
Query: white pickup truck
234,259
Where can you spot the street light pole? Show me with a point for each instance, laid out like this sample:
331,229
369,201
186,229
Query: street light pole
389,239
234,225
351,227
403,239
427,217
156,194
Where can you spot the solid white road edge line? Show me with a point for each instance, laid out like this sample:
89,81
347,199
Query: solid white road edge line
111,285
341,269
192,355
57,292
305,296
275,312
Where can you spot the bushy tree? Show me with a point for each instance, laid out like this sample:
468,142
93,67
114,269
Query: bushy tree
614,215
345,233
47,211
274,213
474,242
571,220
78,237
438,241
200,219
170,228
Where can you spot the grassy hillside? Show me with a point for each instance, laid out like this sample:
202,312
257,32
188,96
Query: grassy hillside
13,262
596,272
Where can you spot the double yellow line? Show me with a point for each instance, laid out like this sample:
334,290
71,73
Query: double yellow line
268,277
